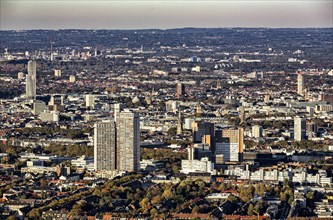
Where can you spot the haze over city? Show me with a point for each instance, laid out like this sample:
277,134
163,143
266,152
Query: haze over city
130,14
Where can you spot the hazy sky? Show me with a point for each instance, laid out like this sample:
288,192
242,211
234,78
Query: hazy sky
131,14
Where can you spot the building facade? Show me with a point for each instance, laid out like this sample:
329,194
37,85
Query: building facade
30,87
300,84
128,141
105,146
299,128
231,145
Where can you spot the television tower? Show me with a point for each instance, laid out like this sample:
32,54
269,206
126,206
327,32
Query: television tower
51,51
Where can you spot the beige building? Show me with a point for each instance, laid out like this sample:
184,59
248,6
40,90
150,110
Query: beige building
128,141
105,146
300,84
117,144
230,145
57,73
30,87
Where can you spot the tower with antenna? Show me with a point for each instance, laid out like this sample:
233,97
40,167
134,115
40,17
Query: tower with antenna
51,49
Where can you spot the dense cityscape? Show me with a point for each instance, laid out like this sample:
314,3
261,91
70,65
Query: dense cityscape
188,123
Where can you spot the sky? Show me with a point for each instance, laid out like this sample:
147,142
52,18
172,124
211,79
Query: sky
137,14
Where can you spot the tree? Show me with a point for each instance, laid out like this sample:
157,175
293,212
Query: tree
250,210
260,189
34,214
12,217
43,183
291,199
195,209
258,206
167,194
153,213
156,200
310,196
283,196
172,131
144,204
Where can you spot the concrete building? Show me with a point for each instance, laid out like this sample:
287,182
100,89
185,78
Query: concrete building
230,145
256,131
201,128
105,146
72,79
128,141
39,107
30,87
180,90
197,166
56,103
171,106
20,75
180,123
300,84
199,151
90,100
57,73
310,110
116,111
51,116
299,128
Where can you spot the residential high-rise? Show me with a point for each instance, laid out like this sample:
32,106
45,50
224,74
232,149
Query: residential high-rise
230,145
105,146
299,128
180,90
90,100
117,144
116,111
242,115
256,131
300,84
128,141
30,87
180,123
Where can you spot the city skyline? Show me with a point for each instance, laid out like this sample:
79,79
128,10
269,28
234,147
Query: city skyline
32,14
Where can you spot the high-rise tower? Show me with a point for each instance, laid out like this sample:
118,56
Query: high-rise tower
30,87
180,90
300,84
105,146
299,128
230,144
117,144
128,141
180,123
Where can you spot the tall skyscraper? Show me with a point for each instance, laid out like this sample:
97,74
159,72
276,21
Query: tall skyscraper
180,90
299,128
230,145
180,123
300,84
128,141
30,87
105,146
117,144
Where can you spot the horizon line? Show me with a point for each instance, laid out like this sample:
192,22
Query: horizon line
172,28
